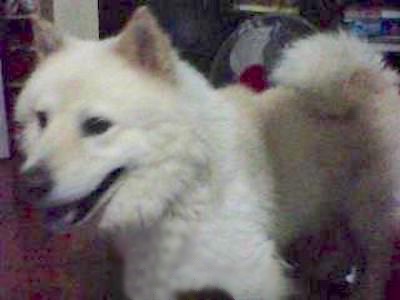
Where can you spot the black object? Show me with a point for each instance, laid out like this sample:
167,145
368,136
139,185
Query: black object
113,14
207,294
197,27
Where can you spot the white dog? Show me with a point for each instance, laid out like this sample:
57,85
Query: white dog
123,132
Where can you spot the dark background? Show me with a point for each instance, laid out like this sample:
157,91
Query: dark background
199,27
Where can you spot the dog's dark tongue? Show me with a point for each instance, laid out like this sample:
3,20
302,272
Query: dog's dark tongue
62,217
59,219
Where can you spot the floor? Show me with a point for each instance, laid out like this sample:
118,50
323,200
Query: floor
36,266
75,266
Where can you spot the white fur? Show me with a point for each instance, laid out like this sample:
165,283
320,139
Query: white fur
320,64
194,208
335,107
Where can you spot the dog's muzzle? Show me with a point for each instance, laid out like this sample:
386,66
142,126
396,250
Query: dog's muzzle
35,184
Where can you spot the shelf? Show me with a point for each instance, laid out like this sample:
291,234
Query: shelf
18,17
22,47
265,9
386,47
17,85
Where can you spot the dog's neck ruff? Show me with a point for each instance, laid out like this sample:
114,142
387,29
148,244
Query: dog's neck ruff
212,209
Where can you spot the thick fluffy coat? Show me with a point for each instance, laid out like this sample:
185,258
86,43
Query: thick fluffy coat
135,138
332,129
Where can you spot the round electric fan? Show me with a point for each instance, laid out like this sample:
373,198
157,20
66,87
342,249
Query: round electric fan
254,47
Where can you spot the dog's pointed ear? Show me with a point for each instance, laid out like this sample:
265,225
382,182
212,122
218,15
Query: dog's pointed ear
46,38
143,43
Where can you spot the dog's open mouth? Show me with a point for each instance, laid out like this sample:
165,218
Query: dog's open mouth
60,218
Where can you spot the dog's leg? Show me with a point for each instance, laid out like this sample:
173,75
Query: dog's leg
371,222
321,262
375,274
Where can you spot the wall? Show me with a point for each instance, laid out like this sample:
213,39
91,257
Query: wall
77,17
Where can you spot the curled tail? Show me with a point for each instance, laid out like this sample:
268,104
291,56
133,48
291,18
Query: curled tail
335,72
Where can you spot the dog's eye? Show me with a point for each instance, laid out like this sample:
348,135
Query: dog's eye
95,126
42,119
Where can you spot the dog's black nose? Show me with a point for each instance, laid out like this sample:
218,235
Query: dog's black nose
34,184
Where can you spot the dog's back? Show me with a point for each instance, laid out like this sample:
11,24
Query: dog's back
332,151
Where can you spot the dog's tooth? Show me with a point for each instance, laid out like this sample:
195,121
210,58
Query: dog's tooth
64,218
70,216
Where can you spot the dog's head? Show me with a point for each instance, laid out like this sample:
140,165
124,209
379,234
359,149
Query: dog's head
94,112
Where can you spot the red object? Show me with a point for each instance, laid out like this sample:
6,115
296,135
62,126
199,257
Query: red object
255,77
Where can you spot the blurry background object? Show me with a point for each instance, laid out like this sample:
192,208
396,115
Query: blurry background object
4,141
197,27
78,18
265,6
34,265
75,17
255,77
19,7
379,24
258,41
17,53
325,14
